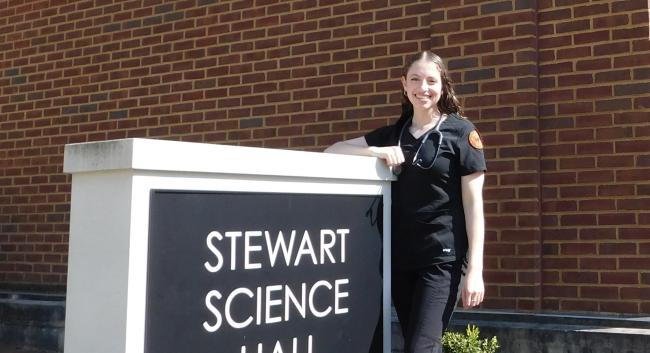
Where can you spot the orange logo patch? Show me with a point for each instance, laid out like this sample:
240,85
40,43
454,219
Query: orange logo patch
475,140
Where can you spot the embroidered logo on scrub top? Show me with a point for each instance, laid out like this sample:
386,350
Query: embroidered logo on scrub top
475,140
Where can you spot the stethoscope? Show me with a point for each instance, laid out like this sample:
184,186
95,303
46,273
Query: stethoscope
417,159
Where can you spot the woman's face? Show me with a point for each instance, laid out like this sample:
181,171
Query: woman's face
423,84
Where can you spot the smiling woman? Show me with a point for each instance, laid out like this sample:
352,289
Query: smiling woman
437,209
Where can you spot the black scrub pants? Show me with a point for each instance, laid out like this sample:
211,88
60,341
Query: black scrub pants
424,300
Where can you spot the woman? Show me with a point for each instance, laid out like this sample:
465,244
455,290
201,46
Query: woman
437,202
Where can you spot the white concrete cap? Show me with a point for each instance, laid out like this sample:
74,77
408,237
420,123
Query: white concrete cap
162,155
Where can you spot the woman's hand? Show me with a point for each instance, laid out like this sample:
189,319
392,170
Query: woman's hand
392,155
473,290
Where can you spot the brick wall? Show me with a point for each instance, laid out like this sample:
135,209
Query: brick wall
559,89
595,136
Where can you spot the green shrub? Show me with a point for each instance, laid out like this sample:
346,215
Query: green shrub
455,342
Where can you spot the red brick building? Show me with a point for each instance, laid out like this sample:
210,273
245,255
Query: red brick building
559,89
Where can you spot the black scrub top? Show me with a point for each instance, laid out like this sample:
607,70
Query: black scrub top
428,221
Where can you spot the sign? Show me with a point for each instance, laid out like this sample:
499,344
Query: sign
238,272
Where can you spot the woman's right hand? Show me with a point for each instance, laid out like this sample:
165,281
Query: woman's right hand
392,155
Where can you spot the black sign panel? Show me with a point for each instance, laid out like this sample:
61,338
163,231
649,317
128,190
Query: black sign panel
263,273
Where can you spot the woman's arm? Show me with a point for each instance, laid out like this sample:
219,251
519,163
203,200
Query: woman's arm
472,192
358,146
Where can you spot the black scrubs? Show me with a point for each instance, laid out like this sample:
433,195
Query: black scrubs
429,237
